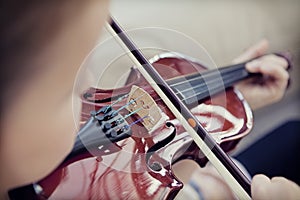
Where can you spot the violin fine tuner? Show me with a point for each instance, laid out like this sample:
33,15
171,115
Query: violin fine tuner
105,126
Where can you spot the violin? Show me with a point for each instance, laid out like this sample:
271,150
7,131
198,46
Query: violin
130,138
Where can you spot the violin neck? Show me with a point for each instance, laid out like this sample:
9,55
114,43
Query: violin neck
194,88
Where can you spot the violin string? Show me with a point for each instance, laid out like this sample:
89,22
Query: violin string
129,114
137,121
133,112
124,106
206,75
211,89
227,79
200,86
117,101
158,99
138,109
127,104
205,80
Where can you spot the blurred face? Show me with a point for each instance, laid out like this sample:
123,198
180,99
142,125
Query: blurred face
38,131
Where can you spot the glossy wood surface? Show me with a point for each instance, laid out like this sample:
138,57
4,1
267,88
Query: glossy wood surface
123,171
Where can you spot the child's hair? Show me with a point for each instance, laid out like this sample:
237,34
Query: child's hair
25,27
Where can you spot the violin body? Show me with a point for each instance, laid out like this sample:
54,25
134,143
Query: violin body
140,166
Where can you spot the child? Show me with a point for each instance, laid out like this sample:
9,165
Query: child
42,46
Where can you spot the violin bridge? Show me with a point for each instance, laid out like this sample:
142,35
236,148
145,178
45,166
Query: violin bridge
145,107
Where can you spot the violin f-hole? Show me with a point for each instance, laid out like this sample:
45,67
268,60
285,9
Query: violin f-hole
155,165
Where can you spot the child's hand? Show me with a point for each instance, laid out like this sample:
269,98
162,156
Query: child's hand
271,87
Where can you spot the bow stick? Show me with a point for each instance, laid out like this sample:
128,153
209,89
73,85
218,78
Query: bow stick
238,182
